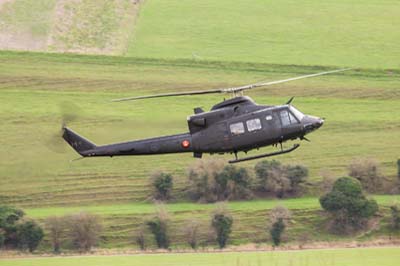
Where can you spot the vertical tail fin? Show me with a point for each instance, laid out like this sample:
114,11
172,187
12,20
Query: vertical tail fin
77,142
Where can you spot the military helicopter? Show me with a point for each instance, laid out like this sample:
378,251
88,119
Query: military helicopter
234,125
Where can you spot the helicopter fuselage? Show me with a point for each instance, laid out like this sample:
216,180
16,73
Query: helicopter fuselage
234,125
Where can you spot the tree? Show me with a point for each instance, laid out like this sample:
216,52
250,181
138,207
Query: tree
395,217
29,235
158,226
202,185
280,179
191,233
9,218
162,184
233,183
297,174
348,205
140,238
367,172
398,169
279,218
276,231
273,177
211,181
2,237
222,224
56,226
84,229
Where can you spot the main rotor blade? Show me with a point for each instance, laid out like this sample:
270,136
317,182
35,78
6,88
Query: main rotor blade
257,85
228,90
168,95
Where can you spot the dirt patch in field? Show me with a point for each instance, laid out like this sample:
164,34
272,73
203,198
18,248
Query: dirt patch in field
21,40
76,26
24,26
2,2
101,27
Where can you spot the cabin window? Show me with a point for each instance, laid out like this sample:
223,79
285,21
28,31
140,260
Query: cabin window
253,124
237,128
287,118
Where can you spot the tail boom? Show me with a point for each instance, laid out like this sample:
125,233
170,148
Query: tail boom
160,145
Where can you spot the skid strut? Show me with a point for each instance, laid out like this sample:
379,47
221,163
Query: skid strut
295,146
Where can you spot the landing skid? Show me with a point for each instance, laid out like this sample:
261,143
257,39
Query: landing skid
295,146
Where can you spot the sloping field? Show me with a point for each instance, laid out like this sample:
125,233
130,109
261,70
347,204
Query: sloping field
309,32
79,26
33,86
334,257
123,221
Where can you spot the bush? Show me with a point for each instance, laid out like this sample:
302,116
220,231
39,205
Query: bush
56,226
367,172
233,183
328,179
398,168
276,231
211,181
8,225
279,218
222,224
280,179
140,238
395,217
84,229
162,184
2,238
29,235
201,181
158,226
191,233
297,174
280,212
348,205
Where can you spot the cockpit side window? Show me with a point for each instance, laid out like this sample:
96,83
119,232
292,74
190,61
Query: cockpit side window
253,124
237,128
287,118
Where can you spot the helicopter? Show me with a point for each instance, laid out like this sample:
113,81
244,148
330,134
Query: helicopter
234,125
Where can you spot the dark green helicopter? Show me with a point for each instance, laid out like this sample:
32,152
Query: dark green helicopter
234,125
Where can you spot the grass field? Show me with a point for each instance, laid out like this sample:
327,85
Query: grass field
122,221
362,120
236,206
334,257
189,45
308,32
33,86
339,33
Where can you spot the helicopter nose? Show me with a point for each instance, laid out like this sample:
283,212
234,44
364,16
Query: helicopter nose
319,122
312,123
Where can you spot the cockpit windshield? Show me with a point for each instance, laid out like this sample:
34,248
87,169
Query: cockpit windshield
296,112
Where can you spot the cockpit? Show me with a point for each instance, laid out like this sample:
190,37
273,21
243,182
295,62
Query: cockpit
299,115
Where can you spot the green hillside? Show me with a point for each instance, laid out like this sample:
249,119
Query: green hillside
34,85
165,46
335,32
308,32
